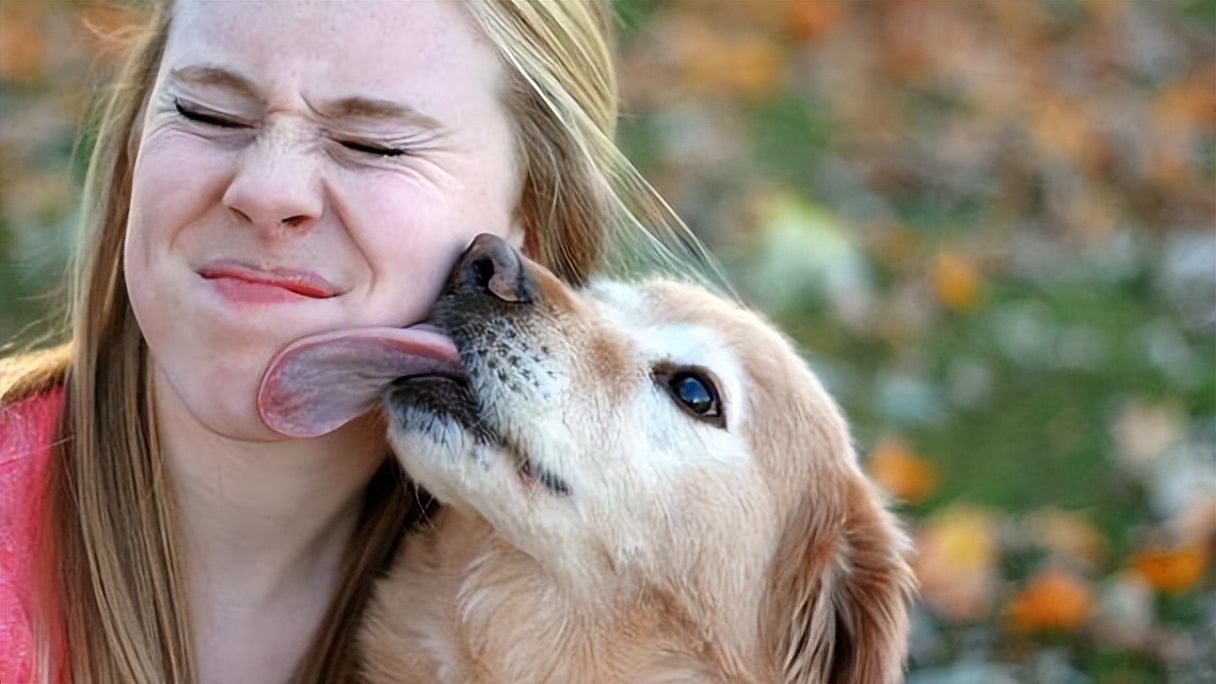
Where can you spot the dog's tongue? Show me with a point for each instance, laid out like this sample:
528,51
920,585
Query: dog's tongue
317,384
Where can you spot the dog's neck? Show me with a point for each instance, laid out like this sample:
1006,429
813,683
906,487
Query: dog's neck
466,585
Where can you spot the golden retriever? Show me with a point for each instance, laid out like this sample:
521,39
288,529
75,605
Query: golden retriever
639,482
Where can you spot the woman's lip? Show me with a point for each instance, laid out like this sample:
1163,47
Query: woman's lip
304,283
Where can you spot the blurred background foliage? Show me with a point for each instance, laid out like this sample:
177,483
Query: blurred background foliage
991,224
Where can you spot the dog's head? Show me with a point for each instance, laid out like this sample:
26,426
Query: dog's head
653,440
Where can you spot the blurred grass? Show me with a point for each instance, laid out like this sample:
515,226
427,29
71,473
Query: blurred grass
992,226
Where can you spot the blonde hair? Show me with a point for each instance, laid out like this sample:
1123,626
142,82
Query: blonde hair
586,207
115,587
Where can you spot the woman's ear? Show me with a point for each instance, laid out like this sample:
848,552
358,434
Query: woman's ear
838,601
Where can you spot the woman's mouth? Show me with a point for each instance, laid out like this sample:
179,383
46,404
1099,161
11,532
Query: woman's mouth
243,282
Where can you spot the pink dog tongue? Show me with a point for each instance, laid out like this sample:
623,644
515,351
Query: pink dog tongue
317,384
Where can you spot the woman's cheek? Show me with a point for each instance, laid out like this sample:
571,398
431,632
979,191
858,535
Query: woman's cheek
408,241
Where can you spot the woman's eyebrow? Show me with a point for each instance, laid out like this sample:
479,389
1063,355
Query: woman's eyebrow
368,108
207,75
346,108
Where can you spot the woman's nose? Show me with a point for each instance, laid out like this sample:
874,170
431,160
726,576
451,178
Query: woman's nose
276,188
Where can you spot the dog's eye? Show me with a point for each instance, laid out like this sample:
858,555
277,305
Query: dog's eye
695,393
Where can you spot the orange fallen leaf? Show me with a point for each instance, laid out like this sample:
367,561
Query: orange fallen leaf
810,20
1063,129
956,281
904,474
1053,600
23,44
1170,569
711,58
1186,103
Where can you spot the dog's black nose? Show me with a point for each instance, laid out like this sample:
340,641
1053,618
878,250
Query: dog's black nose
492,266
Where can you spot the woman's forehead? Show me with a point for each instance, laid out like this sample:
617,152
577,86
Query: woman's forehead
337,45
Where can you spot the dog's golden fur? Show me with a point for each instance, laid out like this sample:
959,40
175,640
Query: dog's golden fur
599,532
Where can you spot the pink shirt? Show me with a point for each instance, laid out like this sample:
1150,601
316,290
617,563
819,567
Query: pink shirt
26,431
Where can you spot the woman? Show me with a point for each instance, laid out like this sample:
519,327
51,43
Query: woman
266,171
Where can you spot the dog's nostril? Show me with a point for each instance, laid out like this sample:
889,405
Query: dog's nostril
492,266
482,270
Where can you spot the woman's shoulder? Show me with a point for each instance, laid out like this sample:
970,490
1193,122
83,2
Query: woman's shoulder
34,372
27,426
27,431
31,399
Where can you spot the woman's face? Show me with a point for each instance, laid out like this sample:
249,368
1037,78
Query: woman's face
305,167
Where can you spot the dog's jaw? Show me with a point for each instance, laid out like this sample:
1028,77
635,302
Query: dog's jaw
472,423
464,426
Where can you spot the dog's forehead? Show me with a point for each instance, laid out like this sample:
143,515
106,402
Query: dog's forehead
654,300
614,296
659,322
675,323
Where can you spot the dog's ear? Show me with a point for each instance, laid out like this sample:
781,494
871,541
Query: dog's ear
837,605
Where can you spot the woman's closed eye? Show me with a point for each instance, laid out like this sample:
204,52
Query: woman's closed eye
371,148
207,117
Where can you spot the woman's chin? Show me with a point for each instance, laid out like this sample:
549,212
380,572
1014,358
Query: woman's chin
216,399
